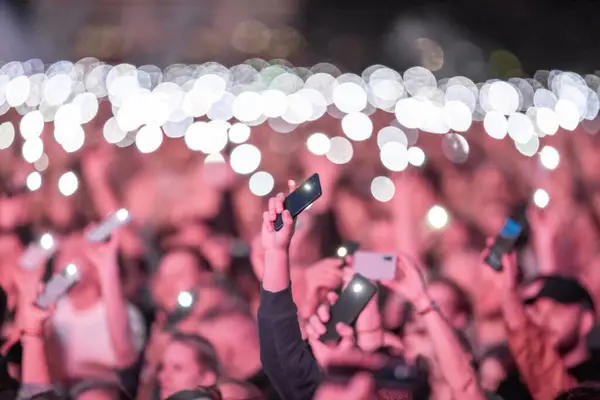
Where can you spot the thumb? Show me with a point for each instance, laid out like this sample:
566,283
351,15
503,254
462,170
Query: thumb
291,185
347,336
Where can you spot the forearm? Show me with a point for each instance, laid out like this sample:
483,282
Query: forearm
454,363
276,276
34,365
117,317
544,253
539,364
369,329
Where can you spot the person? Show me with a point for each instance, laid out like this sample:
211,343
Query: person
187,362
547,333
293,369
95,332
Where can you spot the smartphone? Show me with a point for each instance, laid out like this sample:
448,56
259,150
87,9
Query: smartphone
58,285
505,242
347,249
300,199
104,229
38,252
185,305
396,375
375,266
353,299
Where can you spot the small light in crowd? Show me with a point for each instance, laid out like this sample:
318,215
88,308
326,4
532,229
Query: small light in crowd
34,181
122,214
68,183
437,217
47,241
541,198
185,299
71,269
416,156
357,288
342,252
549,157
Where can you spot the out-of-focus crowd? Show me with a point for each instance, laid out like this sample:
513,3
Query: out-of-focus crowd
195,245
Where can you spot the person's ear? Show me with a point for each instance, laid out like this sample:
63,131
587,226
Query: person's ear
587,323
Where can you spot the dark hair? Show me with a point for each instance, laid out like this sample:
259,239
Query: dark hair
201,261
205,353
585,392
463,302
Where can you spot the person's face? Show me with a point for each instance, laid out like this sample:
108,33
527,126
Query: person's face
562,322
176,273
447,300
381,236
491,373
180,370
416,341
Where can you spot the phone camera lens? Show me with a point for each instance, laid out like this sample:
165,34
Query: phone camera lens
307,187
357,288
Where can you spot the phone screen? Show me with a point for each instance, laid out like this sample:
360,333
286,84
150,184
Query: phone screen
375,266
504,243
353,299
58,285
300,199
185,305
38,252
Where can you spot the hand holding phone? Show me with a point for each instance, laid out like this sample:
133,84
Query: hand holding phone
185,305
353,299
375,266
58,285
300,199
347,249
504,243
104,229
38,252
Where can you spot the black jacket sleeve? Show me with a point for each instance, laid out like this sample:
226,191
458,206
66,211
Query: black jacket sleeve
286,358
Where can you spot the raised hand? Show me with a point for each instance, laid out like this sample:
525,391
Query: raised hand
409,281
277,240
324,275
315,328
103,256
508,278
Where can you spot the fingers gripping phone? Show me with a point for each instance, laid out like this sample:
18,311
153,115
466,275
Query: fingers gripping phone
375,266
104,229
504,243
38,252
353,299
58,285
300,199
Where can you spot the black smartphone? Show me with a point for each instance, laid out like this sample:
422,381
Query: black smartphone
347,249
300,199
505,242
103,231
185,305
396,375
353,299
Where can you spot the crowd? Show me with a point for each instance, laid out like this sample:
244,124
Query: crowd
200,298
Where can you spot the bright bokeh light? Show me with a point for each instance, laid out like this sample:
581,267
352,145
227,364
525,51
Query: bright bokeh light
239,133
541,198
357,126
340,150
549,157
185,299
34,181
68,183
245,159
394,156
382,188
318,144
32,149
261,183
416,156
437,217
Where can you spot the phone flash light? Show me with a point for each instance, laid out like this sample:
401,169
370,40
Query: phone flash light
307,187
357,288
342,252
541,198
185,299
437,217
122,214
47,241
71,269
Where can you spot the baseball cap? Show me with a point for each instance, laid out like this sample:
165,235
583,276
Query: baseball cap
565,290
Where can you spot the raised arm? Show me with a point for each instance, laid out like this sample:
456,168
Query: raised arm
454,362
538,362
286,358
